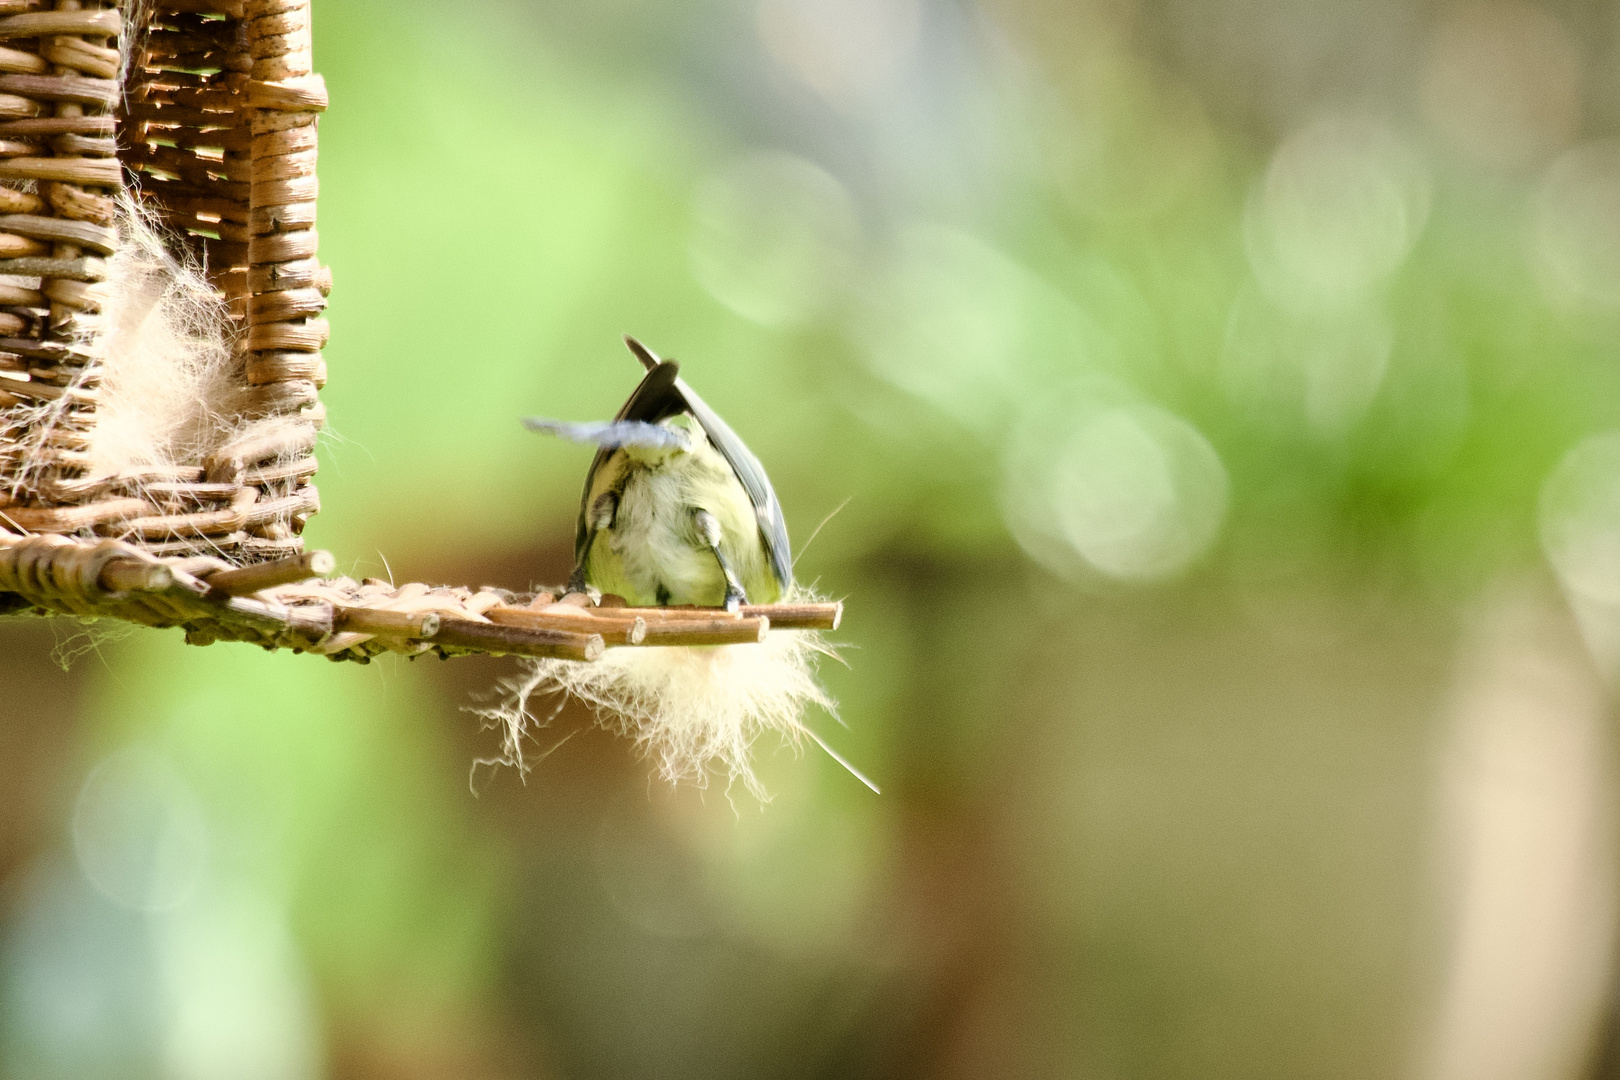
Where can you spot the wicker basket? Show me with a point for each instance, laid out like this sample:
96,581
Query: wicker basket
214,131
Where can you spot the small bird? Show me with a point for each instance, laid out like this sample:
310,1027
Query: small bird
676,509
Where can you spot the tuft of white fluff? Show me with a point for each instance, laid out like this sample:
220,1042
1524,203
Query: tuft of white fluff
170,390
692,708
168,385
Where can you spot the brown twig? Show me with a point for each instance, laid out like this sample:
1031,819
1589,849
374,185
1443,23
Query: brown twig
135,575
557,617
799,616
381,622
782,616
469,636
717,631
250,579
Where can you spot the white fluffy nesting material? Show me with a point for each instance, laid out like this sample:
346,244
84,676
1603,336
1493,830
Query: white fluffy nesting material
692,708
169,389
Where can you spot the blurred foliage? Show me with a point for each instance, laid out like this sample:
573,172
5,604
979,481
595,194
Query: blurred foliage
1182,371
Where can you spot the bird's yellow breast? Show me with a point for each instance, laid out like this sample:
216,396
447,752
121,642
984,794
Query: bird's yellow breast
653,553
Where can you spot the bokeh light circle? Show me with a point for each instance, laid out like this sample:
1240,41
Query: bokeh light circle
1580,518
774,238
1134,491
1575,227
1338,210
1325,369
960,325
844,50
139,832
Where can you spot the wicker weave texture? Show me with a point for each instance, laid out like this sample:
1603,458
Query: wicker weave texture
214,130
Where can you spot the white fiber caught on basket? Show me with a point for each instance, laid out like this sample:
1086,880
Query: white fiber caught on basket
168,389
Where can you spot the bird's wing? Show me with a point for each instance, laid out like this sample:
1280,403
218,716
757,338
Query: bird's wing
767,510
655,399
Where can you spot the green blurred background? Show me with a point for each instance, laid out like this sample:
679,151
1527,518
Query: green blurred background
1224,394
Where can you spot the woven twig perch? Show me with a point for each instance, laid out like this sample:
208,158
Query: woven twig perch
283,605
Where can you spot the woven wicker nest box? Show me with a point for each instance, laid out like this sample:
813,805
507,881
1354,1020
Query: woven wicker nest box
205,113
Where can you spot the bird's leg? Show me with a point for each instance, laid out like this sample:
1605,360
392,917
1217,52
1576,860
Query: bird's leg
603,511
709,528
